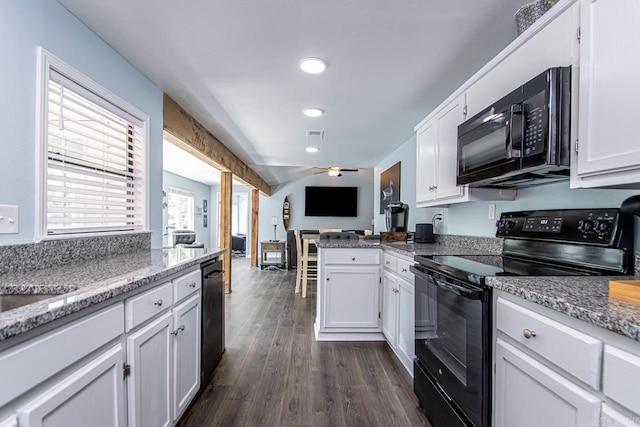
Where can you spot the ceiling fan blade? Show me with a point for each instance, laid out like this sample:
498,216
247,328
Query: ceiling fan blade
349,170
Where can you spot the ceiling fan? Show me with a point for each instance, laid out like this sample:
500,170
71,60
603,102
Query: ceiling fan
335,171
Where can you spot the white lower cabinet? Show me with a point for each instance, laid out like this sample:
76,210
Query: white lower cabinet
529,393
164,363
12,421
352,297
93,395
149,386
610,417
398,306
186,354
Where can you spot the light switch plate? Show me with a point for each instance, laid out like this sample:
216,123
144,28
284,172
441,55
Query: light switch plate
9,219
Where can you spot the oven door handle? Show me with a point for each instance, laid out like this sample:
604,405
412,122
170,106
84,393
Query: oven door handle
462,291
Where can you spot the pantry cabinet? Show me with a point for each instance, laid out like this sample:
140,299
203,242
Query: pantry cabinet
608,153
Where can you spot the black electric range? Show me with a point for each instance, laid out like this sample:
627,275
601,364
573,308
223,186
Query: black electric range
453,305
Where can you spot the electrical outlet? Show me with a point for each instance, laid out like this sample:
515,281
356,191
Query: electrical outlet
8,219
492,211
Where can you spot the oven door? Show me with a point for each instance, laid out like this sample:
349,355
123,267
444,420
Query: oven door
490,144
453,340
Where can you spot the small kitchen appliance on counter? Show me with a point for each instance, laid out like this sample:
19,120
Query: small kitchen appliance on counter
453,305
397,216
424,234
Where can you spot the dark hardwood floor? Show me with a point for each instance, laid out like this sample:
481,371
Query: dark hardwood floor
274,373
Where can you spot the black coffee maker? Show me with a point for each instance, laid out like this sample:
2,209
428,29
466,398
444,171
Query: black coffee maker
397,215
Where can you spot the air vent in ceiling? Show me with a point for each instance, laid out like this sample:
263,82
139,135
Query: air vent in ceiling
315,134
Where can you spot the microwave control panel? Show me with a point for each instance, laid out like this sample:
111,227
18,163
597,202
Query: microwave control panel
534,125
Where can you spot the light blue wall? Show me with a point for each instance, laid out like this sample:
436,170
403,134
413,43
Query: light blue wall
213,216
25,25
200,192
272,206
471,218
406,155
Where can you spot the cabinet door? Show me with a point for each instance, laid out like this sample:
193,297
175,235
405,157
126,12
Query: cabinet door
447,122
91,396
612,418
406,324
9,422
427,140
186,353
149,387
608,86
352,297
528,393
390,309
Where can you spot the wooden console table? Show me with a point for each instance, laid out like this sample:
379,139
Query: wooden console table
272,254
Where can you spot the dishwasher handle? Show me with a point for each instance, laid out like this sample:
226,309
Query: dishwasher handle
214,274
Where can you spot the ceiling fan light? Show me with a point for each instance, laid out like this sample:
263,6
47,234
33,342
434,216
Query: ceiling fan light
313,112
333,171
312,149
313,65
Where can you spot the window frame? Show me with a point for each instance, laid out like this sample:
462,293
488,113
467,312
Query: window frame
45,63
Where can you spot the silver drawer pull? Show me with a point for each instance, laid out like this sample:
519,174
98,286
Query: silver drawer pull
192,285
388,262
158,302
528,333
353,259
404,270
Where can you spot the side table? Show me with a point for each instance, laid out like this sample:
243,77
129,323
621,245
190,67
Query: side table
272,254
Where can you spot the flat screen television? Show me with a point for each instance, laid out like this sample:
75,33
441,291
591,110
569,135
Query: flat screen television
331,201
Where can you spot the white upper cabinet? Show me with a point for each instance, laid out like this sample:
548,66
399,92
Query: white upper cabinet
609,151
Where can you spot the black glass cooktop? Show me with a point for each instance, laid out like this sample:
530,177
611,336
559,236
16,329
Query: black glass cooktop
476,267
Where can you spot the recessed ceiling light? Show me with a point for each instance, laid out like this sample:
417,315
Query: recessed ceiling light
313,65
312,149
313,112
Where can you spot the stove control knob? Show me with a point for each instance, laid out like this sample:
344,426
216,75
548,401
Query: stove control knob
604,226
509,224
585,225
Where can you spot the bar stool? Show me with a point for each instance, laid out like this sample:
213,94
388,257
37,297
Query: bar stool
307,264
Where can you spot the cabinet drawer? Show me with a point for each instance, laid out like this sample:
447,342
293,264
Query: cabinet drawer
390,262
144,306
22,366
185,285
620,370
350,257
403,269
577,353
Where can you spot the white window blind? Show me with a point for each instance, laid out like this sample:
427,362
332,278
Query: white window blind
95,162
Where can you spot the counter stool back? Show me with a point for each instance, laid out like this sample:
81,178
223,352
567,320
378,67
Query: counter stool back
307,265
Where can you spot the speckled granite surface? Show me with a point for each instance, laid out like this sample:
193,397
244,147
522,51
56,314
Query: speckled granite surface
33,256
449,245
360,243
584,298
90,282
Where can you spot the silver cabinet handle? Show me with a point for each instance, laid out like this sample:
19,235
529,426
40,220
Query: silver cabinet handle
353,258
404,270
387,263
158,302
181,328
174,332
192,285
528,333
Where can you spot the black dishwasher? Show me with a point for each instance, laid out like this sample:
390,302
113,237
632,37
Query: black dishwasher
212,319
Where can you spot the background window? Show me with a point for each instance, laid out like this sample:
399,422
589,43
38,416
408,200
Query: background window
180,209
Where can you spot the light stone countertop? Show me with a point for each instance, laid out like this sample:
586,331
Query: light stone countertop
81,285
583,298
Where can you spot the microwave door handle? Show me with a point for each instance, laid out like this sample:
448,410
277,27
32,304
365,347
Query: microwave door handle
514,145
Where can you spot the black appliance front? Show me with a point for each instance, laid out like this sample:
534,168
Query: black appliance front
212,331
453,345
522,138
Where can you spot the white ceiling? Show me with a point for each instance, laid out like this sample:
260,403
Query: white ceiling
180,162
234,66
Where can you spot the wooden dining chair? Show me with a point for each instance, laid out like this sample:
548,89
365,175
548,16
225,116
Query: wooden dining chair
307,264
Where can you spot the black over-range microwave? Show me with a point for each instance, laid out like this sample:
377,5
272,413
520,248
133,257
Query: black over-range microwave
521,140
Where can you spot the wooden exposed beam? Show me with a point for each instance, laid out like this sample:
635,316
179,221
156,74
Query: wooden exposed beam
255,209
226,190
187,133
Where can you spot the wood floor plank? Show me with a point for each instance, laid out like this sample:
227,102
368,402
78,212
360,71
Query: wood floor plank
274,372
